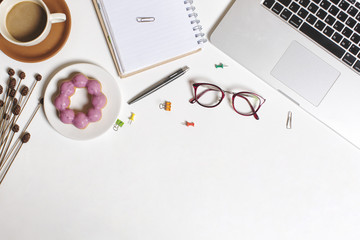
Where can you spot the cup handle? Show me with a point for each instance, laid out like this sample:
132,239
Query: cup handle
57,17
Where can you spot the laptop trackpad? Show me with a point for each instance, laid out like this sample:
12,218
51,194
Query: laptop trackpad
305,73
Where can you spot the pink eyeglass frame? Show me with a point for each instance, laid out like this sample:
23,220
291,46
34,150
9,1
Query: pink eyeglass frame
238,94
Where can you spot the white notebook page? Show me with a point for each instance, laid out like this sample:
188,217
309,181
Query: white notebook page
140,45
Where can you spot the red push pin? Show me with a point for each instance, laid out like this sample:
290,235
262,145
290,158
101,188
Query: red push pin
188,124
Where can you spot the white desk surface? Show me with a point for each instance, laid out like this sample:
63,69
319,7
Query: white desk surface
229,177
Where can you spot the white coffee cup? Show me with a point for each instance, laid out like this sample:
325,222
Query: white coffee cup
7,5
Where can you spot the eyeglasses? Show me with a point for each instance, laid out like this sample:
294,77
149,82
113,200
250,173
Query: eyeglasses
244,103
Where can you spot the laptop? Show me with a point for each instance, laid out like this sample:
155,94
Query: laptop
308,50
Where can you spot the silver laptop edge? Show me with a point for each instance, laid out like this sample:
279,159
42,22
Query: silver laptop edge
251,35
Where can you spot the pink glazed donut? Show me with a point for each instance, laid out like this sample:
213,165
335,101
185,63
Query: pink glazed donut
67,89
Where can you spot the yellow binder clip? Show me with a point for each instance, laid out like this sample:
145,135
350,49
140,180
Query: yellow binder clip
166,106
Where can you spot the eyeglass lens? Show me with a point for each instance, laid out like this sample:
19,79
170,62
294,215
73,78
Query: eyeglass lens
246,103
208,95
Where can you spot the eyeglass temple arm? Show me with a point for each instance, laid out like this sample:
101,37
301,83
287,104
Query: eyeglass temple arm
256,116
252,109
261,103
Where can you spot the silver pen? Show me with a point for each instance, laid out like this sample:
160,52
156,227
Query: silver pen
159,85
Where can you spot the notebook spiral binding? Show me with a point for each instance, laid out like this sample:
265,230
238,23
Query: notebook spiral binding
194,21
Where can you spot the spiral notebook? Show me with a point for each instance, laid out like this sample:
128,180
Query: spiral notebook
142,34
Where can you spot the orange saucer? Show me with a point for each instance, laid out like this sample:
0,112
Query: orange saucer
50,46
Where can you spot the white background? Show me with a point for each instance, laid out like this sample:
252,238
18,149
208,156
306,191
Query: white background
229,177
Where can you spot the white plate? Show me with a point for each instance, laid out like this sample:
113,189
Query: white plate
109,113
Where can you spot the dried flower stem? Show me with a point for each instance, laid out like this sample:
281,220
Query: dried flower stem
5,157
24,139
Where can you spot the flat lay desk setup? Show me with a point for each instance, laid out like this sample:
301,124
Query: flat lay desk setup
189,173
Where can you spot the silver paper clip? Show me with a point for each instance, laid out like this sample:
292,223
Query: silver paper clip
289,120
145,19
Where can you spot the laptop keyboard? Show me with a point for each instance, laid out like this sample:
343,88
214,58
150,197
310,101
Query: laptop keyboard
333,24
